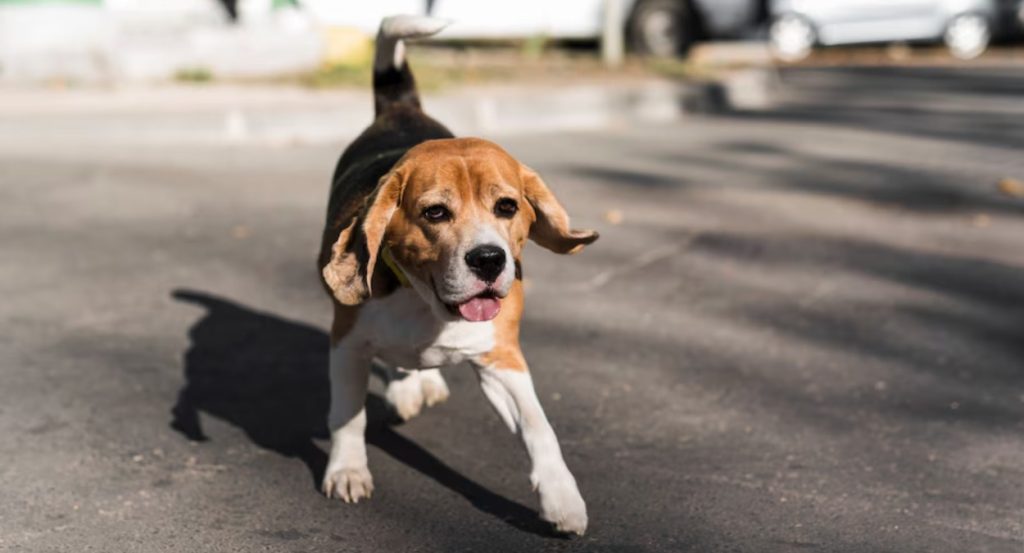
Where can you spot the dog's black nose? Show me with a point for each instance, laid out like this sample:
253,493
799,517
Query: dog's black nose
486,262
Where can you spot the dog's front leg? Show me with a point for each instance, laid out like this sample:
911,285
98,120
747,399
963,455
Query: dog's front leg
347,476
511,393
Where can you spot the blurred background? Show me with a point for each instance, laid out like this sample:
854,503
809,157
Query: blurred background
137,40
802,327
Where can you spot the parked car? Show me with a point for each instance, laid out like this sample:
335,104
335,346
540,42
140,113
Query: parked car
1012,13
652,27
966,26
669,27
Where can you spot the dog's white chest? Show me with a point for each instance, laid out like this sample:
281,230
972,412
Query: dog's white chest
403,332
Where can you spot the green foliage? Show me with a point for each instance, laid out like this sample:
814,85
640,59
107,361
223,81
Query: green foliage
533,48
194,75
339,75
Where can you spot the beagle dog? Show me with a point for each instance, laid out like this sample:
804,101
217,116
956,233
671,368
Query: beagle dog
421,258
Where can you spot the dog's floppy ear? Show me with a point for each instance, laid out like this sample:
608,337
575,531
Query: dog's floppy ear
551,227
349,273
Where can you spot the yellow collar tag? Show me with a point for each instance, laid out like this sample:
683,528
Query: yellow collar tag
385,254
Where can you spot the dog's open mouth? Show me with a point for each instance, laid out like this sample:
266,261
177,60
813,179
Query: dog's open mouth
482,307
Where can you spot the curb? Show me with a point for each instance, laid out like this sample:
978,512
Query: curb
213,115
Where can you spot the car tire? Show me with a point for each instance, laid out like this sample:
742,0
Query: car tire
792,38
968,35
661,28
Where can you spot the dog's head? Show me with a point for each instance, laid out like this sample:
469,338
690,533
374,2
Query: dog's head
454,216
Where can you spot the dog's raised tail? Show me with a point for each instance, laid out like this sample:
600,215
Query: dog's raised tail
393,83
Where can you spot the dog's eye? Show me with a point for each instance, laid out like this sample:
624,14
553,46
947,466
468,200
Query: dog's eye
437,213
506,207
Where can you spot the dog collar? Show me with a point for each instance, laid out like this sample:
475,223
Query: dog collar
385,254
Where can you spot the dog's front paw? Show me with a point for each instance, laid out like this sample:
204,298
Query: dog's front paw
405,396
562,505
349,484
408,395
435,389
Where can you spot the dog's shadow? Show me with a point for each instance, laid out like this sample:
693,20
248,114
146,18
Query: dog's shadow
268,376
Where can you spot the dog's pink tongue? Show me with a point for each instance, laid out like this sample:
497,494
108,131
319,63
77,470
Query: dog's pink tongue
480,309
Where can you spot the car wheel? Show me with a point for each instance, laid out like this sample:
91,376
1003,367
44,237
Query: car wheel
792,38
661,28
967,36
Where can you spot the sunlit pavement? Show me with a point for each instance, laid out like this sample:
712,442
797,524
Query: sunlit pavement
801,330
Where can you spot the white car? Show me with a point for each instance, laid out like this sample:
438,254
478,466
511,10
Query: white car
655,27
966,26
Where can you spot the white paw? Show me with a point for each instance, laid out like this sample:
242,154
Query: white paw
435,389
408,394
405,396
349,484
562,505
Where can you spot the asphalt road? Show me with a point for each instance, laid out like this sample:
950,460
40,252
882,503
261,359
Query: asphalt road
806,333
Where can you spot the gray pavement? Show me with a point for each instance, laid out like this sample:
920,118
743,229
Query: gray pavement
805,333
231,114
